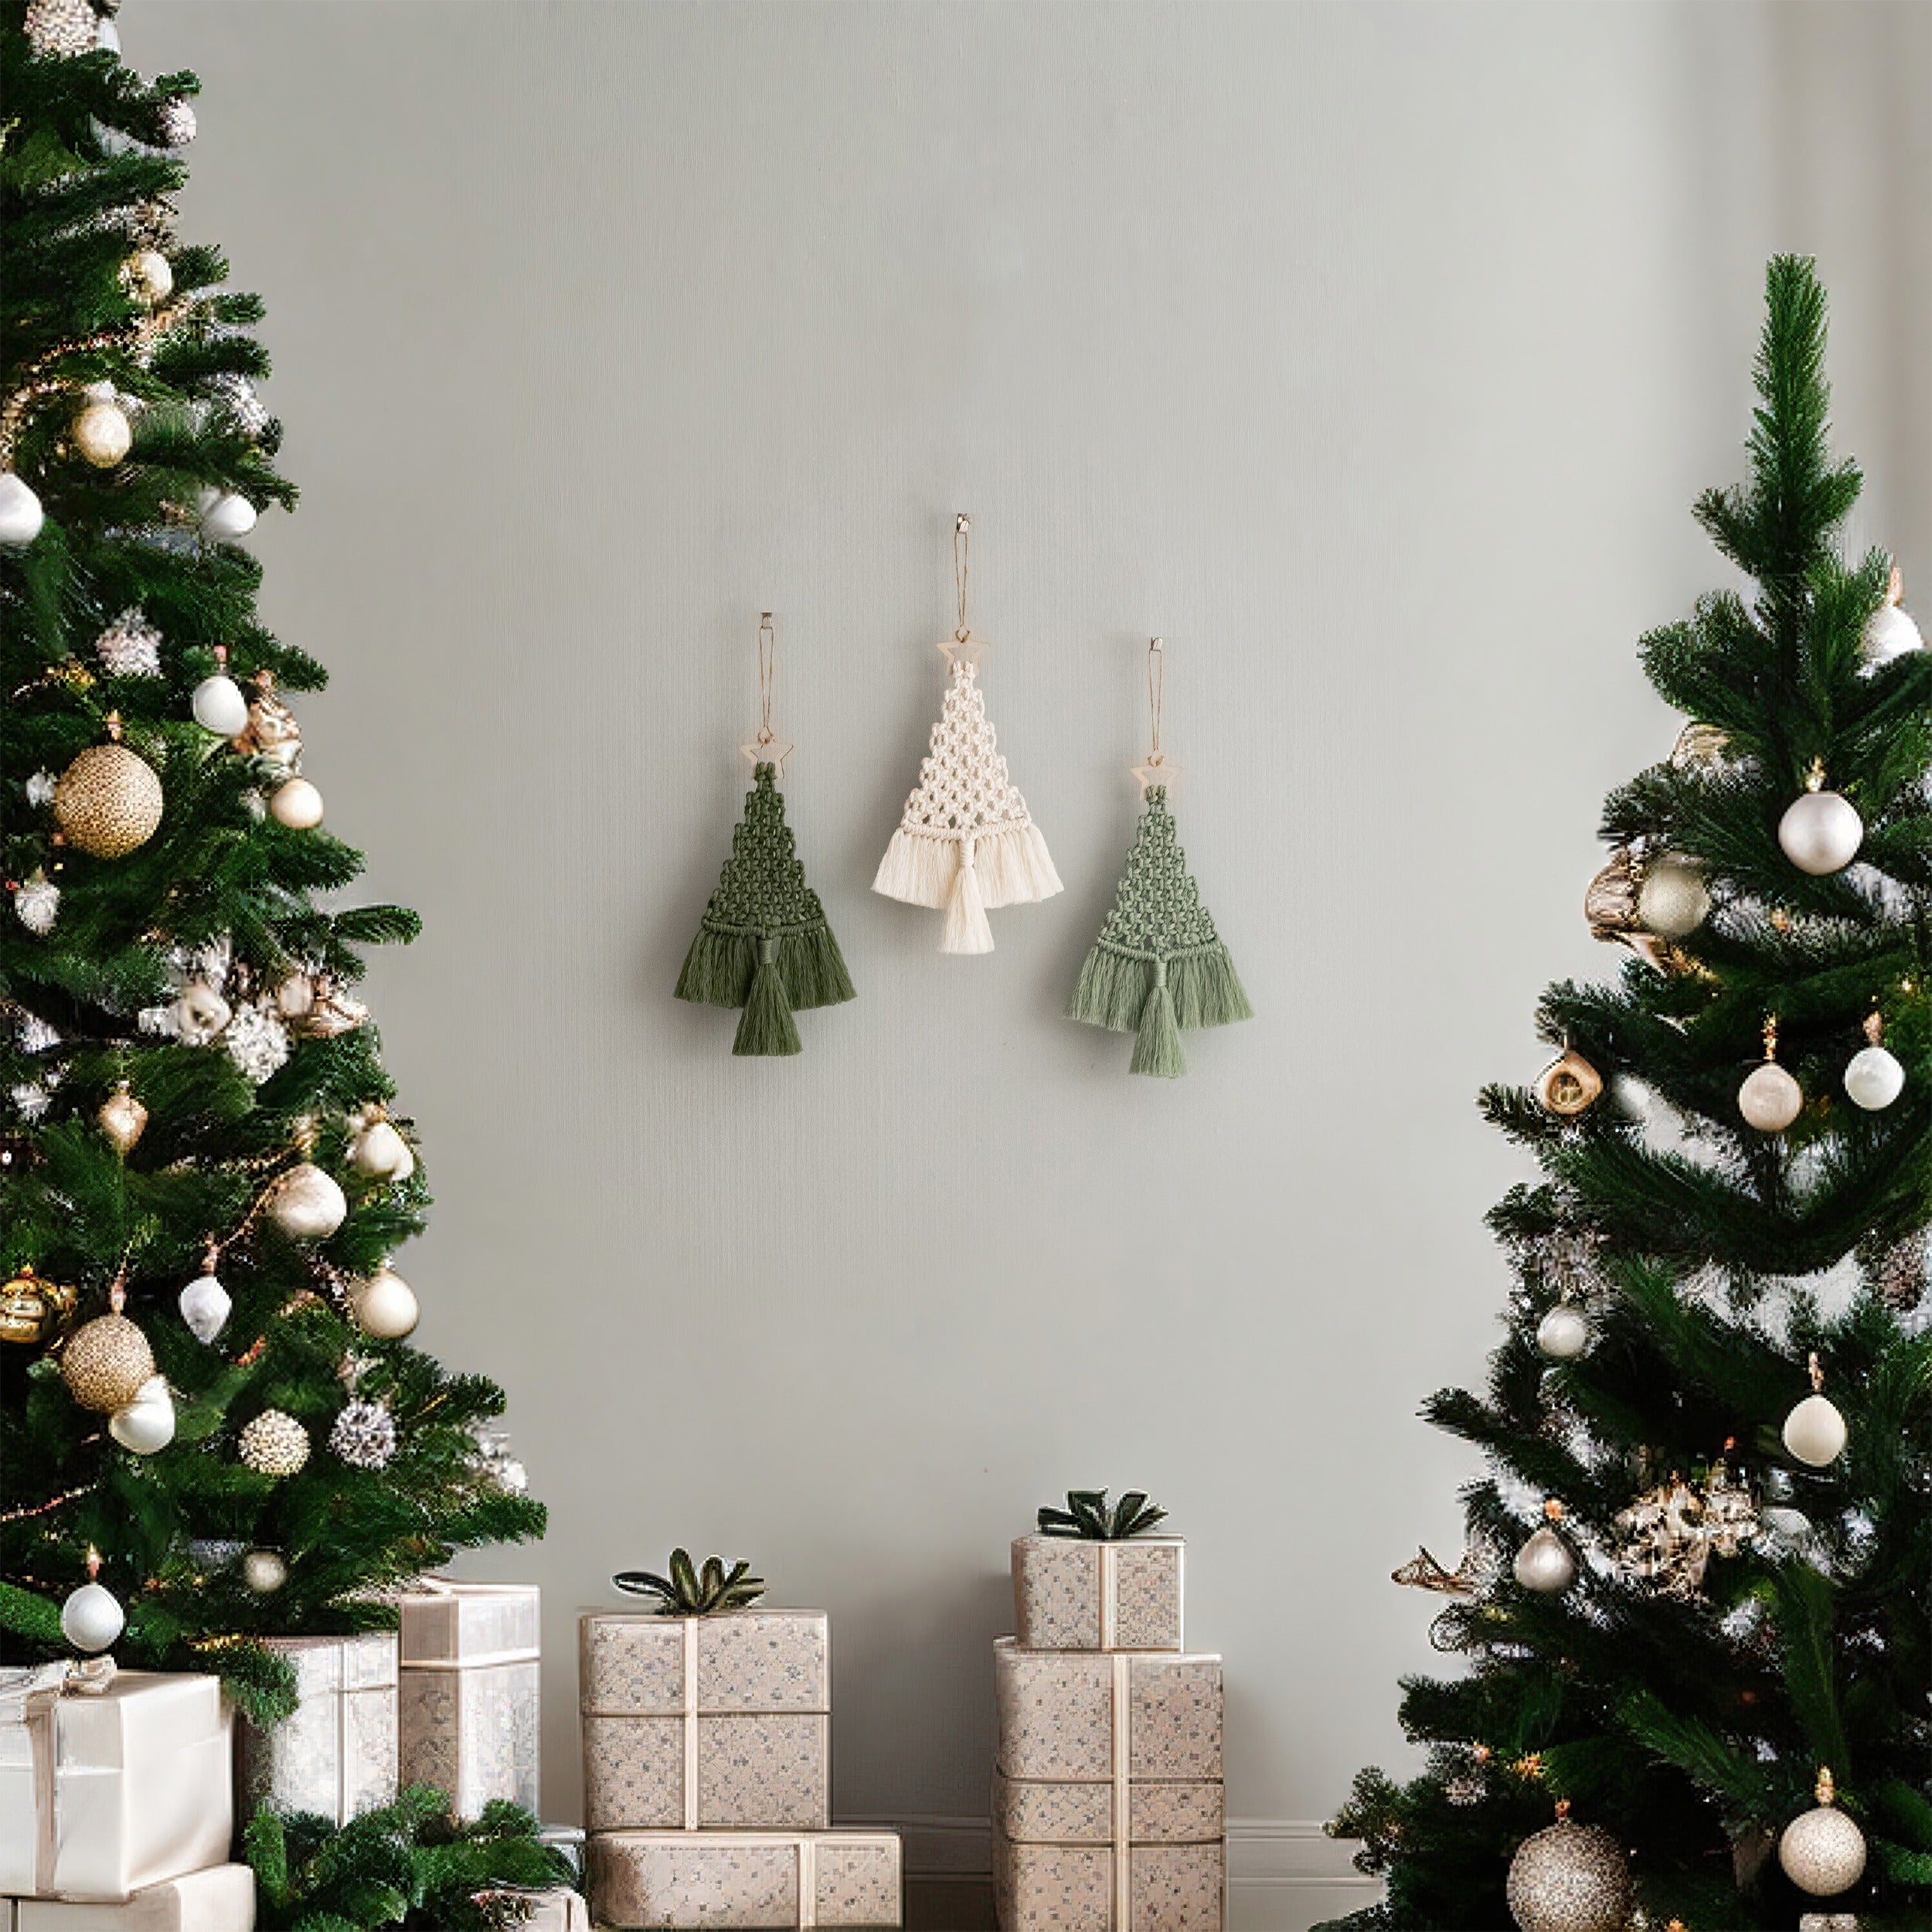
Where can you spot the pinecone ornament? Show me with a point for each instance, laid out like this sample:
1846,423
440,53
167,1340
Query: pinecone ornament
61,29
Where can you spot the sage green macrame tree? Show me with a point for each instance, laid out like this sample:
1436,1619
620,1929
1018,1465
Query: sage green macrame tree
1159,968
763,944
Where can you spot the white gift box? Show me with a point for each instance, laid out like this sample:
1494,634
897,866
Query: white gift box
468,1716
649,1881
221,1898
106,1790
336,1755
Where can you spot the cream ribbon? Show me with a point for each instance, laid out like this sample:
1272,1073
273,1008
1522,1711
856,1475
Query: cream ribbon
691,1723
807,1882
1110,1594
1123,1794
45,1690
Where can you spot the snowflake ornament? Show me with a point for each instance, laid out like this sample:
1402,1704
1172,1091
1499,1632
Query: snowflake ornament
257,1042
130,647
364,1436
37,904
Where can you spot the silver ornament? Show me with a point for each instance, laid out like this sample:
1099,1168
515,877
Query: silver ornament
381,1152
205,1306
130,647
1544,1563
274,1443
257,1041
1823,1851
1820,832
1570,1878
225,516
1873,1078
364,1436
1673,900
1563,1333
1889,634
234,397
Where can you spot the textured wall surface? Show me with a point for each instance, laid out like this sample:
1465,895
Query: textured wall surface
1372,355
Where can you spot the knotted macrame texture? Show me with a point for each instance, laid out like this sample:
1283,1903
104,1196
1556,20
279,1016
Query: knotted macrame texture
966,841
1158,966
763,944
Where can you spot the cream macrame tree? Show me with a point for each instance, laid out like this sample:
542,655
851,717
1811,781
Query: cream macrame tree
966,843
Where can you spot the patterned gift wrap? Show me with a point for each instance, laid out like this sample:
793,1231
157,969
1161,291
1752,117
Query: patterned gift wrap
641,1881
698,1721
1107,1795
469,1706
221,1899
109,1782
1069,1594
336,1755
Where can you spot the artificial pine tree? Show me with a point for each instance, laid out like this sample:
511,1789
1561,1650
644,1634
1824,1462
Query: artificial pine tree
1692,1589
201,1376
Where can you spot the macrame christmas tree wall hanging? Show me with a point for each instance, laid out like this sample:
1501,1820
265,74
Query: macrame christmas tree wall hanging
1158,967
764,944
967,843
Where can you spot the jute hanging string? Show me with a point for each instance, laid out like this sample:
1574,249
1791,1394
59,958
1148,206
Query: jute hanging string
1159,968
764,944
966,841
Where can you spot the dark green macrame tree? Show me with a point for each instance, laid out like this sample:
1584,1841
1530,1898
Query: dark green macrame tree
121,603
1685,1691
1159,968
764,944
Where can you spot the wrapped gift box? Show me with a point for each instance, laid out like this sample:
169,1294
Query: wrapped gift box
558,1909
336,1755
468,1708
647,1879
107,1787
697,1722
1107,1796
221,1899
1069,1594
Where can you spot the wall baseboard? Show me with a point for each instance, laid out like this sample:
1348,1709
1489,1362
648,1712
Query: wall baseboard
1284,1874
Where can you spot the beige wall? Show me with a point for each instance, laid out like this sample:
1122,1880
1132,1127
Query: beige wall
1371,353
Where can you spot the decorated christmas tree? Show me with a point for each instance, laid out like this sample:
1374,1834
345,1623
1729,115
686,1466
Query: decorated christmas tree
1692,1614
206,1406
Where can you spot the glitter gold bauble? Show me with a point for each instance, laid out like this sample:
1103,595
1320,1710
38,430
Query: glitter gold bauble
1570,1878
32,1310
107,1363
103,435
108,802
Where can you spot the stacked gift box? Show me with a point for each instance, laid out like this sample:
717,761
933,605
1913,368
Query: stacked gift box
1108,1810
707,1777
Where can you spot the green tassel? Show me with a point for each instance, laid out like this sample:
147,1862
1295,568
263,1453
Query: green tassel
1157,1044
767,1027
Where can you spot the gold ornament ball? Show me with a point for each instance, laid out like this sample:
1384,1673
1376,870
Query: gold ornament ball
274,1443
108,802
103,435
148,275
1822,1852
107,1363
32,1310
123,1118
1570,1878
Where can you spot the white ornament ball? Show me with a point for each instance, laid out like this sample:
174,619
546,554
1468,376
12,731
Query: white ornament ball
199,1013
150,276
384,1306
92,1618
103,435
1570,1878
225,516
263,1571
274,1443
1889,634
1873,1078
1822,1852
220,705
205,1306
1820,832
382,1153
1673,900
21,515
37,904
1563,1333
1770,1100
1545,1564
147,1423
307,1203
1815,1432
296,804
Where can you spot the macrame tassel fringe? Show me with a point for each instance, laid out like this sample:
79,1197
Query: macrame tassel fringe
1125,992
966,930
721,966
767,1026
1013,866
1157,1042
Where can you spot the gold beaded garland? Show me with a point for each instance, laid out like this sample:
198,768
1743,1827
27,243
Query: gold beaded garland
106,1363
108,802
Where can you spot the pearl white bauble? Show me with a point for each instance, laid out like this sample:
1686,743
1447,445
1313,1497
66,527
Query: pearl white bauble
103,435
1770,1100
1820,832
296,804
225,516
1571,1878
147,1423
199,1013
1544,1563
379,1152
92,1618
1673,900
1563,1333
1822,1852
384,1306
21,515
1889,634
205,1306
220,705
1873,1078
263,1571
307,1203
150,276
1815,1432
274,1444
